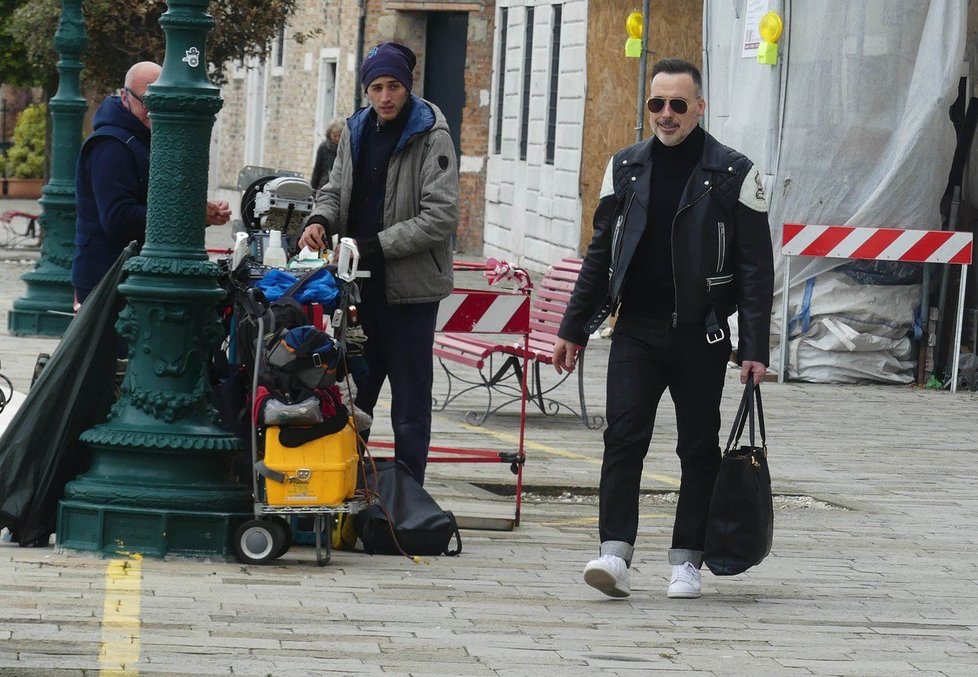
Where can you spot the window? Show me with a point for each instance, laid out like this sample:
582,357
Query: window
278,50
326,93
501,80
554,79
527,66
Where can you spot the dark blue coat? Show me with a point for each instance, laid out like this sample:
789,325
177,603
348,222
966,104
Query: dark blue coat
111,183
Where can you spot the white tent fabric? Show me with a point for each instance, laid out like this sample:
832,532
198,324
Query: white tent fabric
850,128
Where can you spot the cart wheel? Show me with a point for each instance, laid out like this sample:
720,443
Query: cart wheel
282,534
257,542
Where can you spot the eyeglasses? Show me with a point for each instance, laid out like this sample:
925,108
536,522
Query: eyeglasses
140,98
657,103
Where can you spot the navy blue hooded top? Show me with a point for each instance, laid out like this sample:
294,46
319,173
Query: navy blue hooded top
111,184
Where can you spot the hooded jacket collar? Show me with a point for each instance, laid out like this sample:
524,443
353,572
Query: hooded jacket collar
422,119
112,113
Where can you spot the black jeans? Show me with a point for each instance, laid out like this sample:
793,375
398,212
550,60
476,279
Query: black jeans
398,347
647,356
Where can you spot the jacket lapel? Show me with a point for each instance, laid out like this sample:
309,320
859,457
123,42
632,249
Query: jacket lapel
639,173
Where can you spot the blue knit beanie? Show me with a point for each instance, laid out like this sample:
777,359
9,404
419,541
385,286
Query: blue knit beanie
391,59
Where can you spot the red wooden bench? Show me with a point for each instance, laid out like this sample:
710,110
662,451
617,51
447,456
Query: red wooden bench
30,230
499,363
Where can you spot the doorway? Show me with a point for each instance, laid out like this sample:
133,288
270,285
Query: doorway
444,69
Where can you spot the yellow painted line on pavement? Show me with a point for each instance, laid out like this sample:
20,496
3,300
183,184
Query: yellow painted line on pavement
120,618
587,521
545,448
554,451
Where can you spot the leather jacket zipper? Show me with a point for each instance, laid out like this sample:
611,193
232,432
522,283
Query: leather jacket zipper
721,234
614,246
672,239
720,279
617,238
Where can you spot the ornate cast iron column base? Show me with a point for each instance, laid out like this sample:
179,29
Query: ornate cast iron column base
160,481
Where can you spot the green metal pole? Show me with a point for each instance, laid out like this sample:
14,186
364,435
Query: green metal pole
46,308
160,480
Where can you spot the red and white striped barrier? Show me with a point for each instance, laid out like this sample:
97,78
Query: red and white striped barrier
484,312
875,244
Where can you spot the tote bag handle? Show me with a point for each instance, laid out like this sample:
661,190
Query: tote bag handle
745,413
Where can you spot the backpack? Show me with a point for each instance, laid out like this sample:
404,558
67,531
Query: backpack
420,526
301,359
285,312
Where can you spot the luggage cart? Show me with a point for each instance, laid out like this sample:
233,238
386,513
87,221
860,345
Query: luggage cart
269,535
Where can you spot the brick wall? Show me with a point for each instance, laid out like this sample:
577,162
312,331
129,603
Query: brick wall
409,28
475,131
290,101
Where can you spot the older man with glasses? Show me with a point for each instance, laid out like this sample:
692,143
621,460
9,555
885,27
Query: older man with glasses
681,241
112,179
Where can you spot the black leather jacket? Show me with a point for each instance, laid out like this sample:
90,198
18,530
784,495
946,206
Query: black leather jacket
721,248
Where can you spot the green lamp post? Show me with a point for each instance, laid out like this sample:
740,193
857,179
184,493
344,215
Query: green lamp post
160,480
46,308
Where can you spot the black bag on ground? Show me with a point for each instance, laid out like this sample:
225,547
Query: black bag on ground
740,526
421,527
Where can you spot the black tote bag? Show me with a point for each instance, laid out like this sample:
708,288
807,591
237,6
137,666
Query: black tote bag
740,526
405,519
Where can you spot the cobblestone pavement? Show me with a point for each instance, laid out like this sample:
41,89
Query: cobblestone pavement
873,570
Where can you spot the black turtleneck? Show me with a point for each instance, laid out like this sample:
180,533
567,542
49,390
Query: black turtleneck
649,289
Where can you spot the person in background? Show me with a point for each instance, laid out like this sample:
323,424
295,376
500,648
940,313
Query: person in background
112,179
681,241
394,190
326,154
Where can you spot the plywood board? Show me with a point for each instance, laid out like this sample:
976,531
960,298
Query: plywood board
675,30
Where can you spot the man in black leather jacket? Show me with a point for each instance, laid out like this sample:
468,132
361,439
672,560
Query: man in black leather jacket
681,241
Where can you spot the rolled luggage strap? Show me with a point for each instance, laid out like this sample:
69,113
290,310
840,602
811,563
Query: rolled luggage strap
270,474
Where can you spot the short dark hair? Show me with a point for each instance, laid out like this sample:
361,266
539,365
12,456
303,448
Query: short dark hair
678,66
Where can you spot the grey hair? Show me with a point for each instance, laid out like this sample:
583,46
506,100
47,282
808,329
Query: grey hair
335,125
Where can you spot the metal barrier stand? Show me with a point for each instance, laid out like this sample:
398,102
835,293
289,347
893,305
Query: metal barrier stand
875,244
471,311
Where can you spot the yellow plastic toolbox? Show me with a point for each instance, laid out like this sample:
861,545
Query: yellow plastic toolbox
320,472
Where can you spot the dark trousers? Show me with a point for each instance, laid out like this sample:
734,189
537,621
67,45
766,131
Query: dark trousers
647,356
398,347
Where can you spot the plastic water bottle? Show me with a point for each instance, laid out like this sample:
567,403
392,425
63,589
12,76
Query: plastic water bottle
274,253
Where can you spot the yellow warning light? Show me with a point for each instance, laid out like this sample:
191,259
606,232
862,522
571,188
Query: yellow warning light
633,24
770,27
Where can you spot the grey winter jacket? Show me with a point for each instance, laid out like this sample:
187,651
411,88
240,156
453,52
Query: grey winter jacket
420,203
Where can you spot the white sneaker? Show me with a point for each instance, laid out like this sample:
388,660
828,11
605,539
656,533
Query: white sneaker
609,574
685,583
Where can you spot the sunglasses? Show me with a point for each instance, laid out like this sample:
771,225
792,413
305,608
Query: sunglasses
657,103
140,98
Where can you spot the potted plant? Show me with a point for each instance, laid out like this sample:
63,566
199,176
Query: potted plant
23,166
